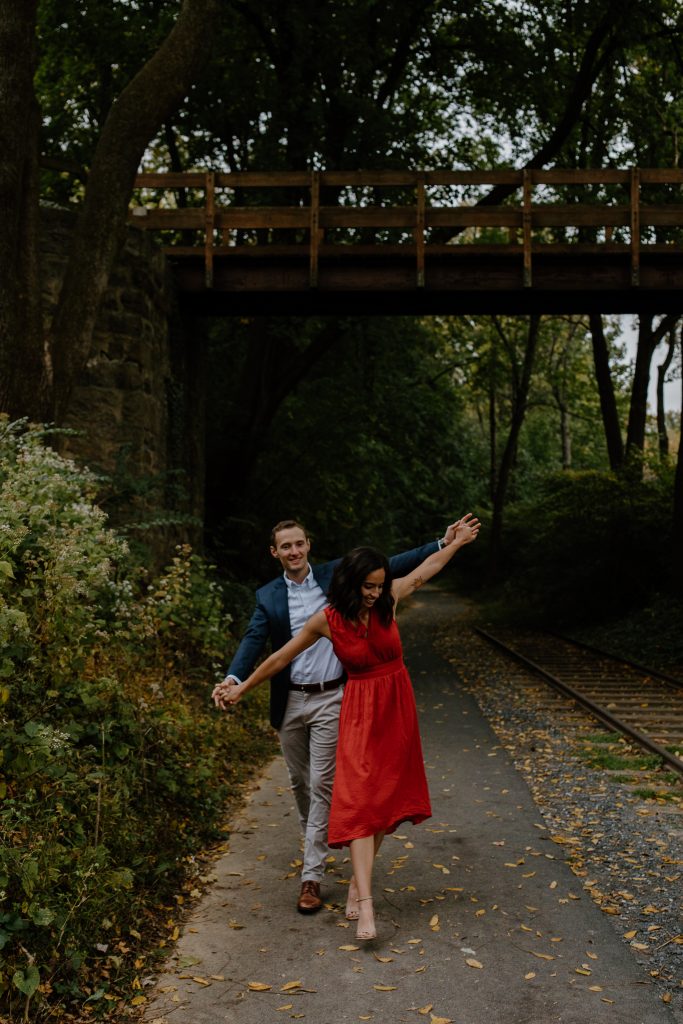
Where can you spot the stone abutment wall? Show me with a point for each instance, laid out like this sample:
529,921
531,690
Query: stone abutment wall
137,411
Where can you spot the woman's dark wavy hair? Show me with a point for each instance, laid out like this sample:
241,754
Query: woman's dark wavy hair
345,589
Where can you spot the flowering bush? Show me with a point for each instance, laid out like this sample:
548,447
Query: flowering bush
112,769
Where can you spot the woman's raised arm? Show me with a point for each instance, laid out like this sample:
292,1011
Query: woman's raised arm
466,531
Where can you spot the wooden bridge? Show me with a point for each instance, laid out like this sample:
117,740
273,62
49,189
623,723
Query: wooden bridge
420,242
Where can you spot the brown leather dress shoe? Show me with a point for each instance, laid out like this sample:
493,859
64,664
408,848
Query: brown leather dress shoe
310,899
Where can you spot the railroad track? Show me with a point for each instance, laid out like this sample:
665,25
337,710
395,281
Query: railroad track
645,705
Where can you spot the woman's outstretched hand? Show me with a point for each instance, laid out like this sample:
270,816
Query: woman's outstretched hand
467,529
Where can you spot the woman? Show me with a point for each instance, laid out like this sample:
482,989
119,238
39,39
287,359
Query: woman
380,780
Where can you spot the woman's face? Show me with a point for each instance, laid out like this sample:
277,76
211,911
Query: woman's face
371,587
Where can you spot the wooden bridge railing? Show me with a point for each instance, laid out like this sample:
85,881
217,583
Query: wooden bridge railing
330,213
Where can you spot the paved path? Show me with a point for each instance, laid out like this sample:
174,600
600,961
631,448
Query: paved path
480,920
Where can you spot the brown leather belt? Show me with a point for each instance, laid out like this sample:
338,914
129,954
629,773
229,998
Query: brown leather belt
329,684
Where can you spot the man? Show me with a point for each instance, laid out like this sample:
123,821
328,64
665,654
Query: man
305,698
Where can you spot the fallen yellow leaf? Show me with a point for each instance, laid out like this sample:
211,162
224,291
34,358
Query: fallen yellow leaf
474,963
425,1009
530,975
290,986
384,959
384,988
441,1020
541,956
287,1006
258,986
138,1000
595,988
349,949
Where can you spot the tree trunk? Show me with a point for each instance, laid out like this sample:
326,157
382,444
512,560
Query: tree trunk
508,457
566,436
648,339
23,371
138,113
493,425
662,370
608,405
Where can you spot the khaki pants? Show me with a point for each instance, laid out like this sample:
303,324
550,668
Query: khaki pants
308,736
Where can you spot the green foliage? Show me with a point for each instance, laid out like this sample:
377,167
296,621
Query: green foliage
407,453
89,51
586,547
650,634
113,769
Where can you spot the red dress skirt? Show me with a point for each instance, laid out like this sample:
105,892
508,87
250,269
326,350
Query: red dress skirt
380,779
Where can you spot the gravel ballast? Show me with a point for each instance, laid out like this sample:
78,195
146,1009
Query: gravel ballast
621,831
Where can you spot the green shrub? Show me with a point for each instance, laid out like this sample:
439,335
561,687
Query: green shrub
114,765
592,543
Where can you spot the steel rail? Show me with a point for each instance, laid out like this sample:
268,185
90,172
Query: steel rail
652,672
600,713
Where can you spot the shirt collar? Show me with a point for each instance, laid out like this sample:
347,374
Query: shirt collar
306,581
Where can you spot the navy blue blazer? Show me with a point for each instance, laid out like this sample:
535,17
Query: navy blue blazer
270,621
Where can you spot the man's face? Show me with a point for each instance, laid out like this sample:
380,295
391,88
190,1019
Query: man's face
291,550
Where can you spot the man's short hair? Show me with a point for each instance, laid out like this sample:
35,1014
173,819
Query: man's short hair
286,524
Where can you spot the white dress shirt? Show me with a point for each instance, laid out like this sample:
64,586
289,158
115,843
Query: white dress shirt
319,663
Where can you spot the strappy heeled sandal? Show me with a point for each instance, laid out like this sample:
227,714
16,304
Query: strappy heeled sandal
352,913
365,934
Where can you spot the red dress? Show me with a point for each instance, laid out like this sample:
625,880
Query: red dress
380,779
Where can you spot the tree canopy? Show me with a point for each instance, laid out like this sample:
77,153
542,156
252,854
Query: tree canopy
256,84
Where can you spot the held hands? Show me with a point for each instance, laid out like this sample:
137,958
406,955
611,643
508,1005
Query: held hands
226,693
466,529
461,530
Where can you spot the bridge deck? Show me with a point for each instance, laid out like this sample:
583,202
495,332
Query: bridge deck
460,281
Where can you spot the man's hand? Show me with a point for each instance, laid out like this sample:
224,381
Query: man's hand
449,535
226,693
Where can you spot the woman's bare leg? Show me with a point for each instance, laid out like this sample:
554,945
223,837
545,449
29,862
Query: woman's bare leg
352,906
362,858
